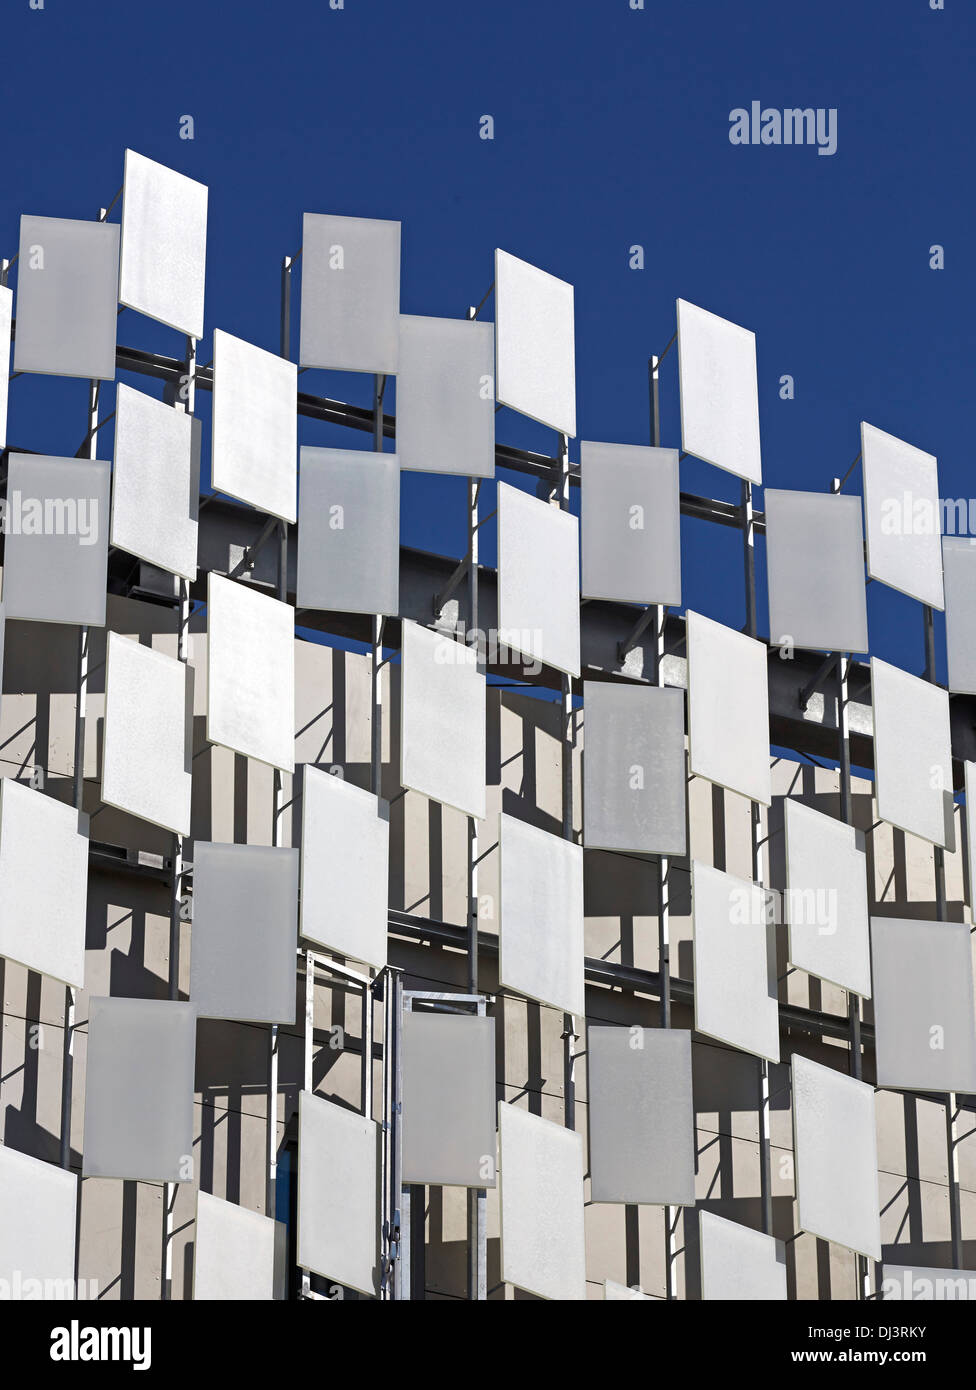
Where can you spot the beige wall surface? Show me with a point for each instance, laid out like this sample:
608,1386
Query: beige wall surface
128,954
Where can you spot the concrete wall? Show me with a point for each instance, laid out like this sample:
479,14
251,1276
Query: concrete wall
128,947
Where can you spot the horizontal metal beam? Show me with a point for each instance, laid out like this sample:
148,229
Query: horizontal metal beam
625,977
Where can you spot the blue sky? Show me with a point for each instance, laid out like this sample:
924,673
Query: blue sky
611,129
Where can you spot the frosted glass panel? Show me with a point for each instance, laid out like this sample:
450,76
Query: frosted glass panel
254,435
541,915
345,867
535,343
442,736
719,392
350,271
538,580
902,515
164,244
728,708
233,1252
67,297
836,1157
56,542
245,932
445,418
541,1167
338,1194
448,1099
250,673
349,531
156,483
37,1225
147,756
630,510
735,962
139,1090
43,882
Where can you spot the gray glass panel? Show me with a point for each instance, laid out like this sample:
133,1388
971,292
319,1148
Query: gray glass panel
445,396
735,962
541,915
56,549
147,754
836,1151
245,932
630,523
37,1225
43,882
139,1090
233,1252
254,437
826,902
442,733
349,531
350,271
815,559
959,565
338,1194
164,244
738,1263
535,343
156,484
67,297
641,1116
345,867
541,1205
448,1099
634,768
6,315
728,708
902,516
719,392
538,580
918,1283
250,673
925,1031
912,754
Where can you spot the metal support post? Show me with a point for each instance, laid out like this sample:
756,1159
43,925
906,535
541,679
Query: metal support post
395,1223
941,913
568,740
477,1198
749,568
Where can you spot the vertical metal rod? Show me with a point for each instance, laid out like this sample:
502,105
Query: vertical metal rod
277,841
477,1198
749,568
749,559
376,714
285,320
661,870
765,1165
386,1210
941,913
401,1232
366,1095
182,395
308,1078
81,706
568,740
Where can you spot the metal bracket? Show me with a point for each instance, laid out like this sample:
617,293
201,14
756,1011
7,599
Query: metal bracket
638,630
816,681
